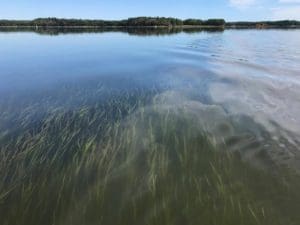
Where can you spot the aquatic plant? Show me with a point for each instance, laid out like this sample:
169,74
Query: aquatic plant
129,159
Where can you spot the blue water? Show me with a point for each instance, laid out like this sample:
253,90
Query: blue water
251,73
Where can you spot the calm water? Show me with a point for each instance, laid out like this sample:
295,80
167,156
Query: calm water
150,127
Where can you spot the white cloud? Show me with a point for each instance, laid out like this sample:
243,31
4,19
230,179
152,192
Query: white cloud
286,12
289,1
243,3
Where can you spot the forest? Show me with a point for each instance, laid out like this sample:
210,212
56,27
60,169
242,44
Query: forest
137,21
146,22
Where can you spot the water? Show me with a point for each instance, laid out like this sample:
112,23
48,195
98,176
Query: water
150,127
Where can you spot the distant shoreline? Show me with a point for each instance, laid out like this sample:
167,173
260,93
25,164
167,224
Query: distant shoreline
146,22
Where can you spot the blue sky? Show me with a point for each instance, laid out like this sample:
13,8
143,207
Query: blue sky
231,10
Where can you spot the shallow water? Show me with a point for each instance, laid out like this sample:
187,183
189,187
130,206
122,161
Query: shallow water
153,98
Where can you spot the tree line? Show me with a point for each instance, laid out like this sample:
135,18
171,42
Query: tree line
266,24
146,21
137,21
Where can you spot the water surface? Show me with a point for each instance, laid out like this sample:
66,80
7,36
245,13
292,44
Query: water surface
150,127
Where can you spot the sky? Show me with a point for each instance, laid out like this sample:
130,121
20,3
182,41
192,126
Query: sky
230,10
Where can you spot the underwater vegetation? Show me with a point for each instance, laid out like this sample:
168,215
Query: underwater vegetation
130,159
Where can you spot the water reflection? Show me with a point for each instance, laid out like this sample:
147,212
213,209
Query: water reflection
140,31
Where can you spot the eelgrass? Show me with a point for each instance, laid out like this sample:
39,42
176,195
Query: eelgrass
131,161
